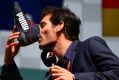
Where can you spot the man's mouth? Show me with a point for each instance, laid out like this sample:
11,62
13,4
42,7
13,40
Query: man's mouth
39,36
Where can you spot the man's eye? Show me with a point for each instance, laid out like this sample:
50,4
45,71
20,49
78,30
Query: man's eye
42,25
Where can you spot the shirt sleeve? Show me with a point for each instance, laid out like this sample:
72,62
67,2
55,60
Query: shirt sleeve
10,72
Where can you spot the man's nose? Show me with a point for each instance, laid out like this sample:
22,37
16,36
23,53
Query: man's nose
39,31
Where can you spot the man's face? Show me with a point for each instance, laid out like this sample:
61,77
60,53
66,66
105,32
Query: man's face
47,32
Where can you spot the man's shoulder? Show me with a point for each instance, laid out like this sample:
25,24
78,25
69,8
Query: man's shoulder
92,42
94,39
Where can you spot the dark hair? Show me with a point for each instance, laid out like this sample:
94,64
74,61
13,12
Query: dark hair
71,21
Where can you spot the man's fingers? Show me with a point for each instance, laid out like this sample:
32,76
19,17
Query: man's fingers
12,37
14,34
55,66
14,48
59,73
54,70
55,75
14,43
14,29
59,78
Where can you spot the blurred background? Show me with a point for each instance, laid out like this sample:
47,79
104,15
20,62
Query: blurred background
99,18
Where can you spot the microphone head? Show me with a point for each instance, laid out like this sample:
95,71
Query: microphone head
28,32
48,57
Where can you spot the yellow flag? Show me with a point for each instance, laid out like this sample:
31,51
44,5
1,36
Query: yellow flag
110,17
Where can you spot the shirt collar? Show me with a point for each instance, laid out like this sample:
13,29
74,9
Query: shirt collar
69,51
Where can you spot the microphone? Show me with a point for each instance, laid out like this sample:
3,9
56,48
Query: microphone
28,32
48,57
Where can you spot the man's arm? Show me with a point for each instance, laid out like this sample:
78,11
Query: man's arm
9,69
10,72
104,60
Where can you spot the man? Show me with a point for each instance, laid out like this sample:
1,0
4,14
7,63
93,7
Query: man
59,29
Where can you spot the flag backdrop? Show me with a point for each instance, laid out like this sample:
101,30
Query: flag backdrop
33,7
110,17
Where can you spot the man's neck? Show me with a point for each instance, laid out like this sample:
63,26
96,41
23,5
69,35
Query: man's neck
61,47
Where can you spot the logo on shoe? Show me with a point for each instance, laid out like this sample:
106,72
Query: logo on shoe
22,21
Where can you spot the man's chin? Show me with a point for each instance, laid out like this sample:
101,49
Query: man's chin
48,46
42,47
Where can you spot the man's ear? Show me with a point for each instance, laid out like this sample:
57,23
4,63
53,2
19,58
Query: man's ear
60,26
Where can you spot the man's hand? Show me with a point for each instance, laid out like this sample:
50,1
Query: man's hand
12,47
59,73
